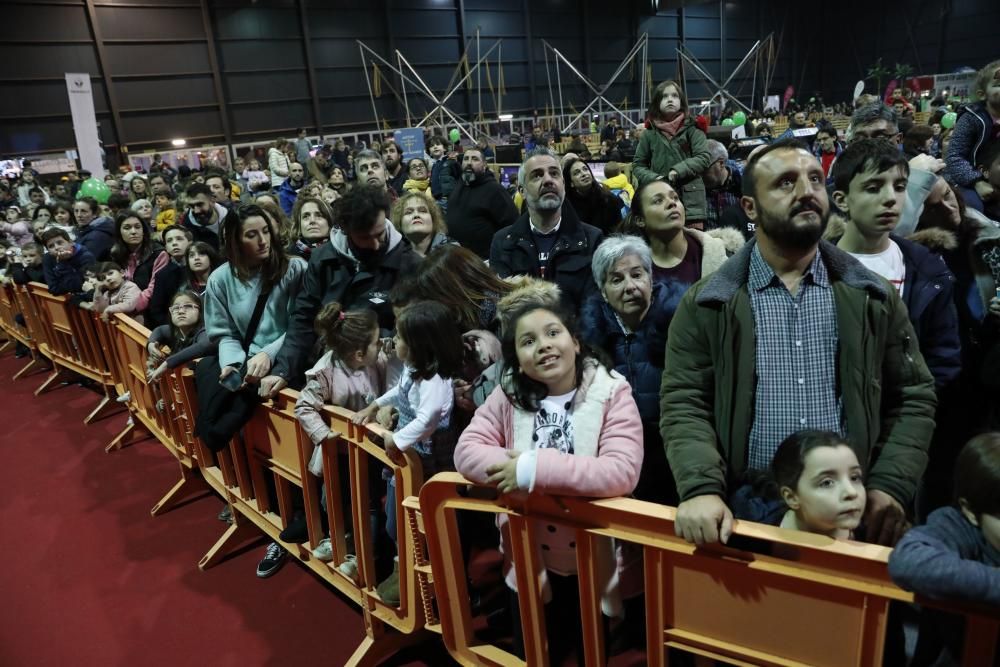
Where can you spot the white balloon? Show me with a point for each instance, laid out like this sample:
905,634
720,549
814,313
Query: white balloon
859,88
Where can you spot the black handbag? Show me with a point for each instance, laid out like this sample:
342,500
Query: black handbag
221,412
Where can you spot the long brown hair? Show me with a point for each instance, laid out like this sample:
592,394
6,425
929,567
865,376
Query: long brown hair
276,264
654,102
432,336
458,278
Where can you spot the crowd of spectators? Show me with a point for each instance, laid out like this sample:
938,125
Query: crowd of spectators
805,336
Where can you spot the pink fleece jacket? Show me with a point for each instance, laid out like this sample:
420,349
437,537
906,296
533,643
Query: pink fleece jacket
122,300
330,382
606,463
145,294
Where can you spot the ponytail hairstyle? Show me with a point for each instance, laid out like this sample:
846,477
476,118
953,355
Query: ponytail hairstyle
431,333
345,332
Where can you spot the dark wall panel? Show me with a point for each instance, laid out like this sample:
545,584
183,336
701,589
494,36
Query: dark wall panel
35,61
138,94
61,23
260,118
363,24
253,55
177,124
254,23
157,56
265,86
148,23
35,136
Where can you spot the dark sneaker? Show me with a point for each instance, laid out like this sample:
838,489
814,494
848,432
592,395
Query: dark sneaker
297,531
226,514
272,560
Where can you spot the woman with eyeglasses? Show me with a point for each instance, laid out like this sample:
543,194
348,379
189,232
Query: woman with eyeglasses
419,179
180,342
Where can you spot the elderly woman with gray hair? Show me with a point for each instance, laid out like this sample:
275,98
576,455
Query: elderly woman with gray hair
628,320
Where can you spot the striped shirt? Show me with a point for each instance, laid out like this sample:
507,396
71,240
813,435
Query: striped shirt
796,344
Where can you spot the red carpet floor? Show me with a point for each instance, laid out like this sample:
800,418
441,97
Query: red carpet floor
88,577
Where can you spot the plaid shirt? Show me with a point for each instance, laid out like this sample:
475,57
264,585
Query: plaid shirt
796,358
721,198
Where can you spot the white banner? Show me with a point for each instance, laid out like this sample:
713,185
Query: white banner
81,105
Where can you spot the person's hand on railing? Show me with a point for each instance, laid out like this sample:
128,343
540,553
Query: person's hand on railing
365,415
155,374
105,316
258,366
391,450
885,519
271,385
504,475
704,520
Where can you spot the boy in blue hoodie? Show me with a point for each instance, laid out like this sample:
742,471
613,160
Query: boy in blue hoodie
956,556
64,264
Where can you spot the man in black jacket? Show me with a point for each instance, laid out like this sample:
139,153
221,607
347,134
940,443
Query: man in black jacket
357,268
478,206
205,217
548,241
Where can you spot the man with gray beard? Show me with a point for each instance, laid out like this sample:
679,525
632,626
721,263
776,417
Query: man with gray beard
548,241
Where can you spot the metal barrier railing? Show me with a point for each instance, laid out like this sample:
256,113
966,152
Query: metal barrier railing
792,599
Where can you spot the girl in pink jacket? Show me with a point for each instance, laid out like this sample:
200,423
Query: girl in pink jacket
350,375
559,423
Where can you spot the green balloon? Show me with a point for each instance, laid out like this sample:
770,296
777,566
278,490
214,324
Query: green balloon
454,135
739,118
948,120
728,122
96,188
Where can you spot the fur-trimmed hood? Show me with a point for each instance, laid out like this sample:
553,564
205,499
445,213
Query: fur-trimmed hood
717,246
935,238
527,290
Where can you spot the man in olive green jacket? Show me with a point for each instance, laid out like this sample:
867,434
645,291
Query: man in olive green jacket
710,382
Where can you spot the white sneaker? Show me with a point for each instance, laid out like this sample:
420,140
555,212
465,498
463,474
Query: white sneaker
349,568
324,551
124,398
